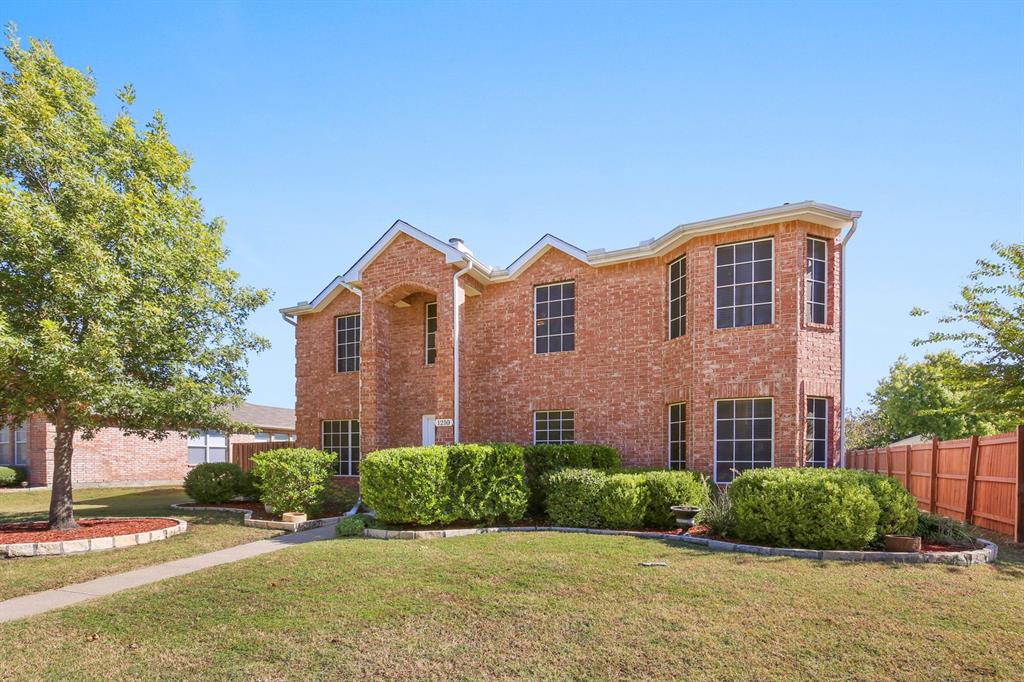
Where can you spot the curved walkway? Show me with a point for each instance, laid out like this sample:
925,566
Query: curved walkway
41,602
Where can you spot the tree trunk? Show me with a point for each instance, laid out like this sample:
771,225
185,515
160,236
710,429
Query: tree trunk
62,513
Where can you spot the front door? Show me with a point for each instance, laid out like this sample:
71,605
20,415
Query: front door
428,429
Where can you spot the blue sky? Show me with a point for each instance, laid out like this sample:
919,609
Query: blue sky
315,126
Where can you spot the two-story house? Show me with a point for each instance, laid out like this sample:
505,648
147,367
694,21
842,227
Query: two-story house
715,347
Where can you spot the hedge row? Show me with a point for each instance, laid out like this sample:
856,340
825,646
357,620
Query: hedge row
820,508
591,498
443,484
541,460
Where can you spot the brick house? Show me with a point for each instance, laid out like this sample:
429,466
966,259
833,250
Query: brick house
715,347
113,458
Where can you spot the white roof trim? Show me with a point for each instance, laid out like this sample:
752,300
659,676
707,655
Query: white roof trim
811,211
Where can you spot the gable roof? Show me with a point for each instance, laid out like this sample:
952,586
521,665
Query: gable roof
457,254
265,416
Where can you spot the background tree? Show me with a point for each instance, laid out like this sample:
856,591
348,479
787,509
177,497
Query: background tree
988,325
867,428
115,307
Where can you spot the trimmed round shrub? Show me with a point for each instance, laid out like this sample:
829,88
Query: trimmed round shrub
486,482
350,526
666,489
293,479
406,485
12,476
813,508
248,486
213,483
622,501
898,514
573,496
541,460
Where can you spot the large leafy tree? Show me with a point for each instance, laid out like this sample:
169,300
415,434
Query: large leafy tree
115,306
987,324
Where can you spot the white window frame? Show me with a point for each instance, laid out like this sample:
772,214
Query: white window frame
536,287
809,442
427,317
683,442
771,283
808,281
561,420
348,463
683,296
358,343
714,418
6,445
205,433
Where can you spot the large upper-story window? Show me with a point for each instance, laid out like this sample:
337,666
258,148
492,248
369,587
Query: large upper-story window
349,330
430,313
816,440
554,317
207,446
744,287
677,436
554,426
815,280
677,298
743,436
341,436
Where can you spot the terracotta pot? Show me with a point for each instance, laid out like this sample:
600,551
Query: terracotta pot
902,543
293,517
685,515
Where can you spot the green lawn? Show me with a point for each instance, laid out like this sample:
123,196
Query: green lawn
537,606
207,531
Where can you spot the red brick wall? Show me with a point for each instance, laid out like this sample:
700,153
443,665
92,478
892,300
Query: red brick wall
622,375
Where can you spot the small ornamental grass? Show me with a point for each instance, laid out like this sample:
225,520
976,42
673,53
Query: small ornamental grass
293,479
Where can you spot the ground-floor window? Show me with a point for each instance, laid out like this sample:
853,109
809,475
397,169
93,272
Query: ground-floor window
14,444
677,436
341,436
554,426
264,437
207,446
743,436
816,442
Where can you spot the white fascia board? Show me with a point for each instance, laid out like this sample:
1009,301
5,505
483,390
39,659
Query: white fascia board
822,214
451,254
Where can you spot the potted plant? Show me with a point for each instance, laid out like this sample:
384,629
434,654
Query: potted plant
685,515
902,543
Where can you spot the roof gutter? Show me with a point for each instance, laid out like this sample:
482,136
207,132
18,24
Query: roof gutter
455,347
842,349
289,319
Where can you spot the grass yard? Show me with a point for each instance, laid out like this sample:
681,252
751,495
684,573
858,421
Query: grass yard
537,606
207,531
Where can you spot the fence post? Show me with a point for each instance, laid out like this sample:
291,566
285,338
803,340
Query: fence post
933,497
972,473
1019,523
909,461
888,461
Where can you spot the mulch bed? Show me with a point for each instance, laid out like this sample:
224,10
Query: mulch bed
37,531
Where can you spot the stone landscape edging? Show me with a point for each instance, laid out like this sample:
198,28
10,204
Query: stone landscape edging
263,523
64,547
984,554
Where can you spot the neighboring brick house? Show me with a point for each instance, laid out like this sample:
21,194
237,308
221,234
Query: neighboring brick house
111,457
714,347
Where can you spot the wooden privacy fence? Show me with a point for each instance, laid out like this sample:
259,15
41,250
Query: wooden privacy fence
977,480
241,453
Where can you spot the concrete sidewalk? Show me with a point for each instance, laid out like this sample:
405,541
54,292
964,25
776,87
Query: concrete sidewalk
41,602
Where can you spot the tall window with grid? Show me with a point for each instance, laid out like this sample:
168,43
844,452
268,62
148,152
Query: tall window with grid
554,316
430,313
677,436
349,330
743,436
677,298
815,281
341,436
554,426
744,284
816,441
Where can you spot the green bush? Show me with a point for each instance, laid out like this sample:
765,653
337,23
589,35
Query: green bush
12,476
213,483
350,526
666,489
486,482
248,486
541,460
898,512
442,484
814,508
293,479
939,529
622,501
339,499
573,495
407,485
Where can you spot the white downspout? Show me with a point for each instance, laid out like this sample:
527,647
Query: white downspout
842,351
455,347
288,318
